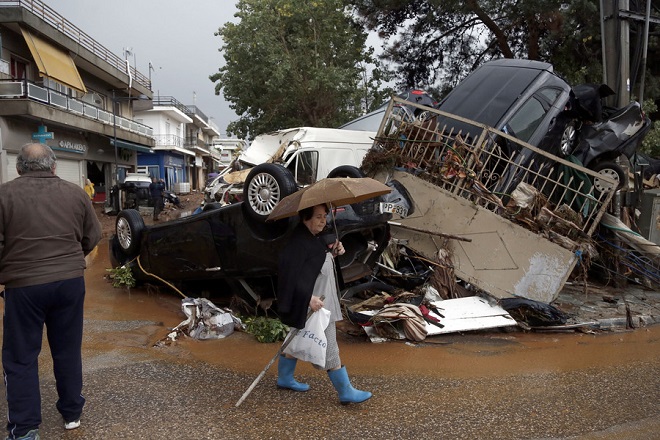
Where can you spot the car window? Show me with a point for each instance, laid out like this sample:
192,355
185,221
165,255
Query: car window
523,124
550,94
306,167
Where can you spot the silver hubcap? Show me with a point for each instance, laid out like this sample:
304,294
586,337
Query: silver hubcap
603,186
263,193
567,140
124,233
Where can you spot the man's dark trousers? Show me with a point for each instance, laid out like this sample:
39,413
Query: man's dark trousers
58,305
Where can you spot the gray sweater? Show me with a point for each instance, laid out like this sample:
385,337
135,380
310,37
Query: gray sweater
47,226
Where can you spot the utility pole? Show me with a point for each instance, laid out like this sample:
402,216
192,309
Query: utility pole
616,50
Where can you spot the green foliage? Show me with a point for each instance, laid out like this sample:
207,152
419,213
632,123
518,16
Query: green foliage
266,329
122,277
651,143
432,43
295,63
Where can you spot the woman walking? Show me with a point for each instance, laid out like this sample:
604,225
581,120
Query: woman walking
306,274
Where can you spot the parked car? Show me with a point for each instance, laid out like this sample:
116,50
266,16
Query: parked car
225,246
529,101
133,192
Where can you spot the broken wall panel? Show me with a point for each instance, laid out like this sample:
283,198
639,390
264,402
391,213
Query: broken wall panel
503,259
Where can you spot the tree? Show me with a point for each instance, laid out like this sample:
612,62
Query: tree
434,44
440,41
295,63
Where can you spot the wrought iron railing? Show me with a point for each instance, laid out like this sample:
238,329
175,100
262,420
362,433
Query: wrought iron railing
23,89
53,18
169,140
490,168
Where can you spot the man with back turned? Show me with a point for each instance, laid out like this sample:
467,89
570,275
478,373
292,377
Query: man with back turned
47,227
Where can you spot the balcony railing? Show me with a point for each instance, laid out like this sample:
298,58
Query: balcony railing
194,110
192,143
50,16
170,101
169,140
12,89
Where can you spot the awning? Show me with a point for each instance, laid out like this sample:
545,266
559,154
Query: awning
53,62
131,146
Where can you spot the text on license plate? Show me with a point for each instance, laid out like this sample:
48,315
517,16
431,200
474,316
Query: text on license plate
393,208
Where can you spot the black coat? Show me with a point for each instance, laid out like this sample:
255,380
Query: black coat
300,263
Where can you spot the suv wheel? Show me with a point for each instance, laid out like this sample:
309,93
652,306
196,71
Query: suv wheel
346,171
568,139
265,186
611,170
129,227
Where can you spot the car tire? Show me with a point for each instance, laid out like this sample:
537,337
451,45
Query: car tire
129,227
609,169
568,140
265,186
349,292
346,171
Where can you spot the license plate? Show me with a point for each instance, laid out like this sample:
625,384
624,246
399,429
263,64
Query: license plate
393,208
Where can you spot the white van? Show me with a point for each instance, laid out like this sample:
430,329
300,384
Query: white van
307,154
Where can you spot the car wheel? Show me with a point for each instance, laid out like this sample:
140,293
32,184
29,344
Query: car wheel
264,187
568,139
346,171
129,227
611,170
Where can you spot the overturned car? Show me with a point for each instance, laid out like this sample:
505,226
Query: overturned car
227,249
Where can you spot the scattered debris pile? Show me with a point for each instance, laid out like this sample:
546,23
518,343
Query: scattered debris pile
205,321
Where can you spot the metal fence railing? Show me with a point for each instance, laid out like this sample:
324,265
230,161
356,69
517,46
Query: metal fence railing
490,168
23,89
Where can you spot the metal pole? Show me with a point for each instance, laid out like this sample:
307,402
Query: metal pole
645,52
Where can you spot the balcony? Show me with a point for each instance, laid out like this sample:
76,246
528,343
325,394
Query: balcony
170,101
197,145
54,19
22,90
169,140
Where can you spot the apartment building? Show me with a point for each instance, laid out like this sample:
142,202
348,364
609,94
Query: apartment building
61,87
183,135
200,136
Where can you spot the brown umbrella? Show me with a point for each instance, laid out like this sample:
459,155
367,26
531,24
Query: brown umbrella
336,191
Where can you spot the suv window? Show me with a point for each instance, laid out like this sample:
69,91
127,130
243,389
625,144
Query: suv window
550,94
527,119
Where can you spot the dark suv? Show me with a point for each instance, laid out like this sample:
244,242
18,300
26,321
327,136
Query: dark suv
527,100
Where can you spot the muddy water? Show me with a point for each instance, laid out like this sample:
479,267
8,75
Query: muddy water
492,354
493,385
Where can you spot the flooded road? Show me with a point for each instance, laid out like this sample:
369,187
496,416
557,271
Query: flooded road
498,385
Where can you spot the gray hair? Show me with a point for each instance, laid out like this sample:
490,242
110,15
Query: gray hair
35,157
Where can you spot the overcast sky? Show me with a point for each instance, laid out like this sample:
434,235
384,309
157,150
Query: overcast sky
175,36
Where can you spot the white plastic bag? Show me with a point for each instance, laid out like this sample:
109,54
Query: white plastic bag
310,343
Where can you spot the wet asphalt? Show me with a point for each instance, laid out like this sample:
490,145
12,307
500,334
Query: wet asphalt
502,385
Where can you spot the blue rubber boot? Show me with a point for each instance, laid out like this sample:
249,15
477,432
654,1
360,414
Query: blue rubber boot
285,379
347,394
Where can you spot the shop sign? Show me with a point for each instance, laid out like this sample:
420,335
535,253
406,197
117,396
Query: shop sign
73,147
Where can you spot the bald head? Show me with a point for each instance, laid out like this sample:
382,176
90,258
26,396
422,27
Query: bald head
35,157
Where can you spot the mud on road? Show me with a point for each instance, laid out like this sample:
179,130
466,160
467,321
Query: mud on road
496,385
